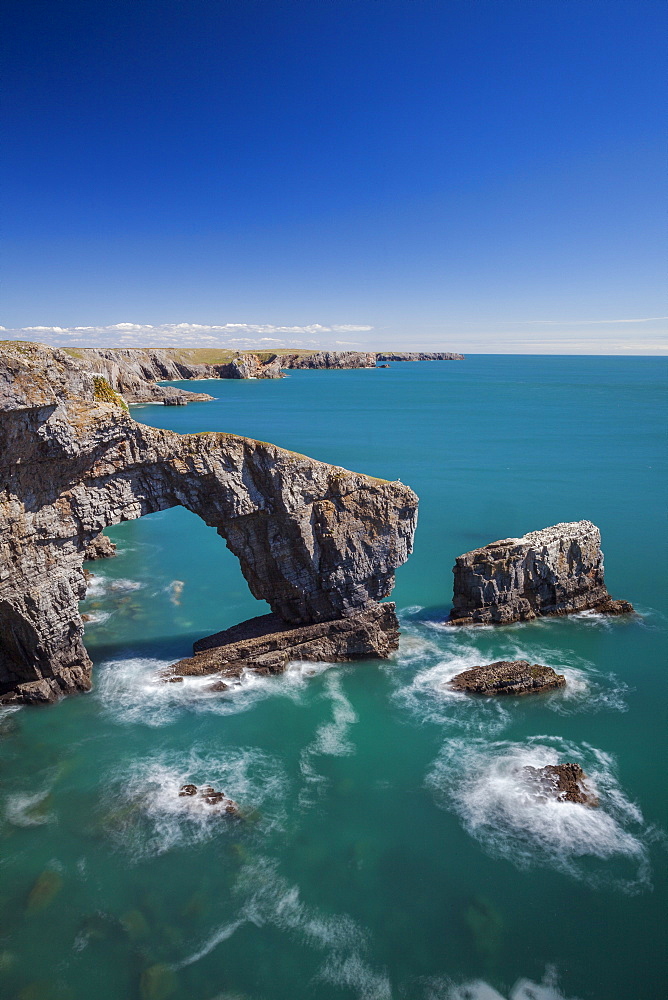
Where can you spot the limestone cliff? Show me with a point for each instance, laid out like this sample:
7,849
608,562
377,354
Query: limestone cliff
556,571
330,359
420,356
315,541
134,371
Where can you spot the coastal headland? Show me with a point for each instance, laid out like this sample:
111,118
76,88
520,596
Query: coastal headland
134,372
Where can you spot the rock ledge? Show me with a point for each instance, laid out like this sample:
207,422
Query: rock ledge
267,644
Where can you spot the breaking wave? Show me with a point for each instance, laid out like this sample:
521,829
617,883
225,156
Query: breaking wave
29,809
132,690
99,586
148,817
485,784
428,660
332,739
524,989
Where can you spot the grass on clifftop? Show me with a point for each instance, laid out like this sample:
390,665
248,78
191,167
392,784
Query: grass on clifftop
194,355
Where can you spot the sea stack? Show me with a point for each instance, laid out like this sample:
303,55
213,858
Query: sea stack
556,571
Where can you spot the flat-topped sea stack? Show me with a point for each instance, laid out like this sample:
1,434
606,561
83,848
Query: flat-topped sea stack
556,571
317,542
508,677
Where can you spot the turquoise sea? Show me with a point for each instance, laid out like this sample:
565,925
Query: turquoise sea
388,852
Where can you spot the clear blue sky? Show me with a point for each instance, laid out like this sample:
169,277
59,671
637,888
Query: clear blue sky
478,175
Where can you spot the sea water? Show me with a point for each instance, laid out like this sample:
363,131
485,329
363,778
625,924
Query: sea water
390,849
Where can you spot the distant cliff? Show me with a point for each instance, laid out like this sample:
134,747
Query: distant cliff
330,359
135,371
420,356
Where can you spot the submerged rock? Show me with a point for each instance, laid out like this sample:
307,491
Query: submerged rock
508,677
563,782
267,644
157,983
44,891
135,925
556,571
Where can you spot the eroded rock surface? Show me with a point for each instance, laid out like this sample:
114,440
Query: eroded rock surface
330,359
508,677
563,782
315,541
133,371
556,571
100,547
267,644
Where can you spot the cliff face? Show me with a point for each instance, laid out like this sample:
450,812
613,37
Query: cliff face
420,356
556,571
330,359
316,541
134,371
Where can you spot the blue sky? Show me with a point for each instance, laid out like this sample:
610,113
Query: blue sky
474,175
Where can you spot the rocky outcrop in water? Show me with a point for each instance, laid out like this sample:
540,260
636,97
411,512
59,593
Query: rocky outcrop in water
315,541
420,356
508,677
218,801
330,359
267,644
100,547
563,782
556,571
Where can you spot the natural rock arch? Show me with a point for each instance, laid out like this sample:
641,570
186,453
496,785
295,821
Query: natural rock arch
313,540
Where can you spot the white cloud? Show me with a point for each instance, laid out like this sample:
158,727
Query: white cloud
231,335
469,337
595,322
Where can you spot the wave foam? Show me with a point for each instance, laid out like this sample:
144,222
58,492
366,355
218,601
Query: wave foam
28,809
435,661
485,784
99,586
132,690
150,817
332,739
524,989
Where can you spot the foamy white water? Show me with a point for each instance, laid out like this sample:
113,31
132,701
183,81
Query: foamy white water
485,784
